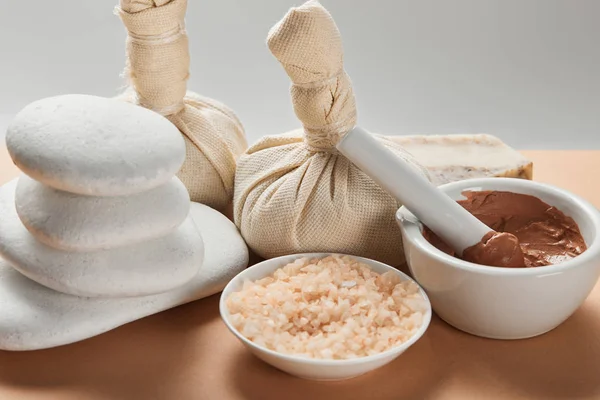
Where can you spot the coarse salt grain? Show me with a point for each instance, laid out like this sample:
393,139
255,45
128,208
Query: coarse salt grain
330,308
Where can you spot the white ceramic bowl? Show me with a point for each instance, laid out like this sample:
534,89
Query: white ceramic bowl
505,303
304,367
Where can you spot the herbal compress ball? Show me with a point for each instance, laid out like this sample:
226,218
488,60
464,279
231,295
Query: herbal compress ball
293,192
158,68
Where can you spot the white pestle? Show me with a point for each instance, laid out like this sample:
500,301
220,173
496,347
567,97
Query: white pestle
444,216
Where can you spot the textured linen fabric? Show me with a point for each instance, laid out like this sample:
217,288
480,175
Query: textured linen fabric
158,69
294,192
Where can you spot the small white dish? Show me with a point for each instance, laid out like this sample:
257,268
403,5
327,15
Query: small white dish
309,368
505,303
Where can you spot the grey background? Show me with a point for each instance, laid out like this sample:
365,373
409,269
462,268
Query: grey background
527,71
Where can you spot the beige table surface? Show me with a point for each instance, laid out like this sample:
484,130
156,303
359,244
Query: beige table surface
187,353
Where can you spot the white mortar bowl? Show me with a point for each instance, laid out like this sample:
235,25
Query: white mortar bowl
309,368
505,303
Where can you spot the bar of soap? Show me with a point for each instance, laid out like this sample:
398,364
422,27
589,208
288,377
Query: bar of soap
34,317
146,268
450,158
94,146
73,222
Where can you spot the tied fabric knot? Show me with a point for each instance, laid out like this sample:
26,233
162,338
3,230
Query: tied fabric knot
308,44
157,43
326,109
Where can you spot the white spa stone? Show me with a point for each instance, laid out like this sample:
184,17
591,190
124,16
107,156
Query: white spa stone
94,145
75,222
141,269
34,317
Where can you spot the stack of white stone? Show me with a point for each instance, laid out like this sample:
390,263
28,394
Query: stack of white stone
99,228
